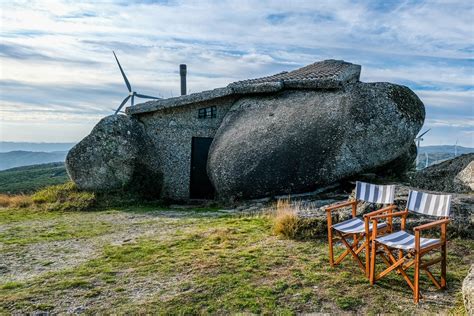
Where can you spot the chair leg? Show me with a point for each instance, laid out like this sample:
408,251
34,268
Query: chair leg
367,256
372,262
416,292
331,254
443,266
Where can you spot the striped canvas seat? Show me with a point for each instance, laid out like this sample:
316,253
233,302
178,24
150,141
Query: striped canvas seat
405,241
429,204
421,203
373,193
411,248
354,226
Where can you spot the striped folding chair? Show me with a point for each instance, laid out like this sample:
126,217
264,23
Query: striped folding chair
356,228
411,248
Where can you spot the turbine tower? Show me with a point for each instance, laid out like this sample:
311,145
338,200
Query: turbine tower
131,94
418,140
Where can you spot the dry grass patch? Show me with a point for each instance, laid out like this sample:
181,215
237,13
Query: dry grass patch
285,222
15,201
288,223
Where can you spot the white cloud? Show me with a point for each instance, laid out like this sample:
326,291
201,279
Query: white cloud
65,49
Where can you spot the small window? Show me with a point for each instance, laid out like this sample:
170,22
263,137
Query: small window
209,112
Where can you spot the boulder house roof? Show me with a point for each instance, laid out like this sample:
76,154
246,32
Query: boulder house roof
327,74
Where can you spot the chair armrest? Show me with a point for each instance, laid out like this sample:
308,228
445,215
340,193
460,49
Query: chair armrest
432,224
340,205
380,211
376,217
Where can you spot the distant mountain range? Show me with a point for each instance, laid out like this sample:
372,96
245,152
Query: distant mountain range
445,149
20,158
24,146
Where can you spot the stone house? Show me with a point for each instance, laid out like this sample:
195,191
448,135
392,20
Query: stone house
182,128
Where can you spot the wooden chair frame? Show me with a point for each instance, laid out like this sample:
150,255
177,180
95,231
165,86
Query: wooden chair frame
365,237
407,259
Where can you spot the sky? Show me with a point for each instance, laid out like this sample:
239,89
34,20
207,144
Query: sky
58,76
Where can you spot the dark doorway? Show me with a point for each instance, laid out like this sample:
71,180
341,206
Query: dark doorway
201,186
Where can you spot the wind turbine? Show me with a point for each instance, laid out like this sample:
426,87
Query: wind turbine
131,94
418,140
118,111
456,148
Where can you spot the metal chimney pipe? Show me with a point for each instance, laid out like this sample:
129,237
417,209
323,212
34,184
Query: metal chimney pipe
182,73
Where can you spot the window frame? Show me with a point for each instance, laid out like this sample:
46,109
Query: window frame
209,112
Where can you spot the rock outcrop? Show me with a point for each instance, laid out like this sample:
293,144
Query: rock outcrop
468,291
454,176
115,155
297,140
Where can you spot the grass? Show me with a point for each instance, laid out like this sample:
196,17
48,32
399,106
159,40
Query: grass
16,201
62,197
65,197
154,260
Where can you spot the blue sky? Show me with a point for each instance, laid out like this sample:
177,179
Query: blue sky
58,76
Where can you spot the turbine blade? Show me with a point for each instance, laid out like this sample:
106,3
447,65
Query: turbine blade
133,99
129,87
424,133
122,104
143,96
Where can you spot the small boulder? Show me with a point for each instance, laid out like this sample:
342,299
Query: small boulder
468,291
465,177
115,155
298,140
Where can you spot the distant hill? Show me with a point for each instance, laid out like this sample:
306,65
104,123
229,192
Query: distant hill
25,158
25,146
446,149
31,178
429,155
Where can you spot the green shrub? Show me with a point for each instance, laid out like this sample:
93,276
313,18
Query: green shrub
64,197
311,228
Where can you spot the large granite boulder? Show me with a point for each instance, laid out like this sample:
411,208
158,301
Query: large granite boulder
455,176
115,155
297,140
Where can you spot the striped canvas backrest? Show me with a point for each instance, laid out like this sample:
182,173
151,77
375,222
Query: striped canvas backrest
429,204
374,193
